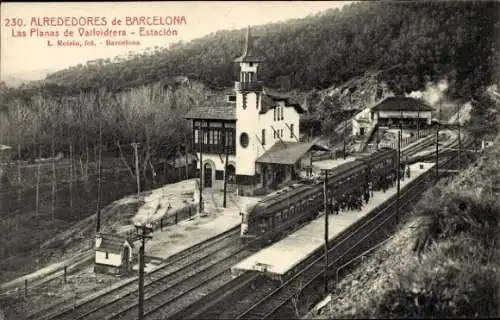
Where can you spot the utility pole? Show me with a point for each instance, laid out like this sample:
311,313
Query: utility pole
187,161
225,174
398,176
144,233
135,145
345,132
325,276
99,172
459,138
437,150
310,164
344,150
201,168
418,123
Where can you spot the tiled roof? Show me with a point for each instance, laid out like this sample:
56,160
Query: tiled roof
288,152
402,104
112,243
270,97
216,107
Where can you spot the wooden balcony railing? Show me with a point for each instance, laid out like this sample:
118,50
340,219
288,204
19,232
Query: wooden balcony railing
215,149
248,86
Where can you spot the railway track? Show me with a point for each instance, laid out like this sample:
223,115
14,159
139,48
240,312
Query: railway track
165,298
240,300
247,303
185,262
178,288
277,303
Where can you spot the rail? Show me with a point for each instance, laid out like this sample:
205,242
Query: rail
200,247
289,282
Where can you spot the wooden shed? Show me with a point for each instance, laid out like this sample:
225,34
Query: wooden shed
113,254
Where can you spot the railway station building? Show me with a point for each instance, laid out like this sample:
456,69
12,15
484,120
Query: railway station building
391,113
255,128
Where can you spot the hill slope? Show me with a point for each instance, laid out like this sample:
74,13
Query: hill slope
444,260
412,43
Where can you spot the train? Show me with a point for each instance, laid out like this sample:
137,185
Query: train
268,219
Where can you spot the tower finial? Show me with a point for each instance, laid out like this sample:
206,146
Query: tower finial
248,50
247,41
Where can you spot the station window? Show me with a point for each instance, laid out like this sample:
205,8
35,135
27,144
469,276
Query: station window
291,130
263,137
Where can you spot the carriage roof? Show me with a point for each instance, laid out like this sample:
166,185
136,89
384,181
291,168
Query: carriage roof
305,187
382,152
285,194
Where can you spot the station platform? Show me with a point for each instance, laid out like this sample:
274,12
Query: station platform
331,163
188,233
281,257
185,234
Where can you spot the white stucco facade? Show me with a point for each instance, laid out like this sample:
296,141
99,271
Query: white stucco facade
252,122
113,259
255,118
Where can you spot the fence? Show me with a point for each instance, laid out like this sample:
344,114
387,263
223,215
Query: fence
170,218
328,155
404,141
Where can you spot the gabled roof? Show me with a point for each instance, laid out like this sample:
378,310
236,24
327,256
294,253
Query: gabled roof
215,107
112,243
270,97
249,53
402,104
288,152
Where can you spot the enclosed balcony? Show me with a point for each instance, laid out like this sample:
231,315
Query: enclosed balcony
248,86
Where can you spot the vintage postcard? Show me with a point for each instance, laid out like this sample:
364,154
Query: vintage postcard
249,159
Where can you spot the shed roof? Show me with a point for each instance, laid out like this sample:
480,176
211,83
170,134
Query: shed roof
112,243
402,104
288,152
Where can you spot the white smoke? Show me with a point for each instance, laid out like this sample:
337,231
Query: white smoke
433,93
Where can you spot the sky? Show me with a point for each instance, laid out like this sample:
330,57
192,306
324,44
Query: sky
30,43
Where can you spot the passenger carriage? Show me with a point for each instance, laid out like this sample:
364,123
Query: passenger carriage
272,217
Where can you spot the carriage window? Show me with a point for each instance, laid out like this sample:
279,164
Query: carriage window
278,217
263,225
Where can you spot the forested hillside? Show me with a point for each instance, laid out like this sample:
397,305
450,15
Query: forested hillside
412,42
408,44
106,104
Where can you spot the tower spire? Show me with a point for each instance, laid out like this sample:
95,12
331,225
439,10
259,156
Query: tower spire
247,42
248,51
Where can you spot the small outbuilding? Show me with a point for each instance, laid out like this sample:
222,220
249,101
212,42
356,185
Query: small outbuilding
113,254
